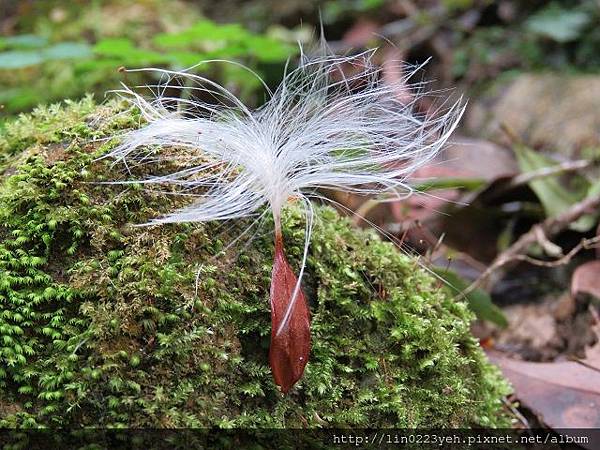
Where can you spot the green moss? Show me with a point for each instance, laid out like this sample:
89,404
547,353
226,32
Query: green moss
100,324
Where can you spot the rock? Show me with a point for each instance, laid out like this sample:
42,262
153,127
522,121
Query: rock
477,158
101,324
558,113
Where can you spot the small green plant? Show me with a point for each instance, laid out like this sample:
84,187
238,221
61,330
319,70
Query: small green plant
34,70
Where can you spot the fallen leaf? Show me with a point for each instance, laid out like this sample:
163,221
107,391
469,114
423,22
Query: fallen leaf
361,33
446,182
586,279
466,165
478,158
561,394
290,332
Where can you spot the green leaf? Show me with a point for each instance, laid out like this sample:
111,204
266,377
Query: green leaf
594,189
125,50
478,300
97,65
225,41
23,41
469,184
202,32
216,32
267,49
18,59
228,51
554,196
366,5
558,24
186,59
68,50
114,47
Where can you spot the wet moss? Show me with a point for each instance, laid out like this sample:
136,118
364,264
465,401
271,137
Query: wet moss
104,324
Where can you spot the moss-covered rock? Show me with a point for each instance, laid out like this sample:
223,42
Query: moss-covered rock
105,324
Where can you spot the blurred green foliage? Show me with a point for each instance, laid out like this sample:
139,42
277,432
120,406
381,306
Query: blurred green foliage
29,50
558,23
334,10
33,69
561,35
63,49
203,41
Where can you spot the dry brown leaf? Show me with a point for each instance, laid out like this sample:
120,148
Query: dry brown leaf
561,394
586,279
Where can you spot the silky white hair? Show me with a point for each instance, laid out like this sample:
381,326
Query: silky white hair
319,129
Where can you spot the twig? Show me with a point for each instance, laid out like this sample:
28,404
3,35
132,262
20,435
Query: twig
549,228
408,31
567,166
527,177
516,412
584,244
